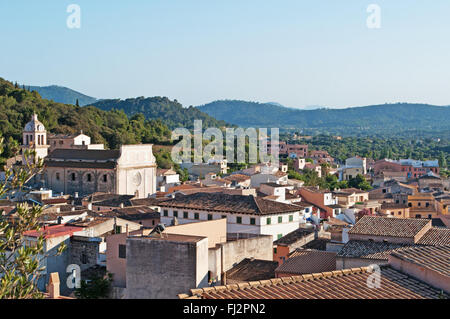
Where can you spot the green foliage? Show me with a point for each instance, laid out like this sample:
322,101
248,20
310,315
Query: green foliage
376,120
112,128
96,287
172,113
359,182
378,148
20,266
61,94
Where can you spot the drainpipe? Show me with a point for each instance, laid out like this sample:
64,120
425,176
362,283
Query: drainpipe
223,274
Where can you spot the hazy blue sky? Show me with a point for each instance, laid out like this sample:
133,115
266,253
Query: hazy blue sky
297,53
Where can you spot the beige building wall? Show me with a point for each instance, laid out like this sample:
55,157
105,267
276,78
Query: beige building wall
429,276
215,230
136,171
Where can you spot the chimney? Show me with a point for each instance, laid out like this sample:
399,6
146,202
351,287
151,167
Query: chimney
122,205
59,220
128,234
53,286
76,194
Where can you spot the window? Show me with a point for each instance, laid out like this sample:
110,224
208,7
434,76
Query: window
291,218
185,215
409,204
84,259
89,177
275,250
239,220
269,221
399,213
280,219
175,213
419,204
427,205
105,178
73,177
418,216
118,229
166,212
196,216
224,216
122,251
430,216
210,216
252,221
58,177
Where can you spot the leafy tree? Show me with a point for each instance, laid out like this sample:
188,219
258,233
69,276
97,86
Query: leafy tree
442,160
96,287
359,182
20,267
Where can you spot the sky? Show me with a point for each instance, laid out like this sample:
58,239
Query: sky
294,52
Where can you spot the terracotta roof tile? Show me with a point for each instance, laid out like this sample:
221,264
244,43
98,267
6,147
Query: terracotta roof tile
345,284
230,203
369,249
305,261
436,237
436,258
385,226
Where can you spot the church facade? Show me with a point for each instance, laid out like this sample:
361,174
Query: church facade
131,170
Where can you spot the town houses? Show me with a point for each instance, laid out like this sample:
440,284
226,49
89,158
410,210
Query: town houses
227,232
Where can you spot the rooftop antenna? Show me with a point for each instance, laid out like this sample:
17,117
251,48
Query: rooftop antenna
174,222
159,229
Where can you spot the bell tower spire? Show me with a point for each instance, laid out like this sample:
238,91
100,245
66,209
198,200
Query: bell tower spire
35,138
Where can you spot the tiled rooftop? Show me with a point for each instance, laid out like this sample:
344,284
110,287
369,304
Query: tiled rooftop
340,284
436,237
369,249
229,203
436,258
392,227
306,261
294,236
251,270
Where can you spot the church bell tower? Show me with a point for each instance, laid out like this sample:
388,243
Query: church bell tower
35,138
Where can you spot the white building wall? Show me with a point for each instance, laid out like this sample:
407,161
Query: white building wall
261,226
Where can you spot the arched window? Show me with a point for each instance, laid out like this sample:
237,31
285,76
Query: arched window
89,177
73,176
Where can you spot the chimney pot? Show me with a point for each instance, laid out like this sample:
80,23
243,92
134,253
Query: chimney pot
53,286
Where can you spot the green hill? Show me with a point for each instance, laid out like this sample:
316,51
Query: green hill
367,120
113,128
172,113
62,94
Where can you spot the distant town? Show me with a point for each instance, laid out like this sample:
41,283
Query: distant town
262,231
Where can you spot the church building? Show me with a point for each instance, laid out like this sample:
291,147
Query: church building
131,170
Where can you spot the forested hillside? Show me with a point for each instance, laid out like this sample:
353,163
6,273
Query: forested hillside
172,113
62,94
113,128
376,120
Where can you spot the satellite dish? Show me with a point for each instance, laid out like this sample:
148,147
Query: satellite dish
159,229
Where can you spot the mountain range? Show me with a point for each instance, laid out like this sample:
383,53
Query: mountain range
386,119
60,94
373,119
